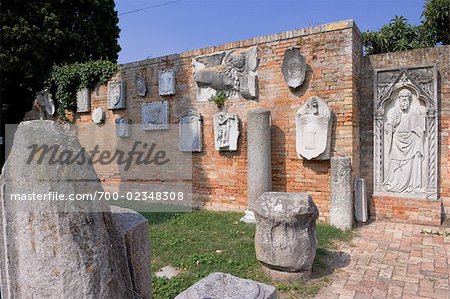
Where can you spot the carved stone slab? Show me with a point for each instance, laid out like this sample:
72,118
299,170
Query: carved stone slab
123,127
141,88
226,131
233,72
294,67
313,130
166,82
98,115
190,131
155,116
83,100
405,132
116,95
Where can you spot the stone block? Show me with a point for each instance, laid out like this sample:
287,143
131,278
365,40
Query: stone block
341,207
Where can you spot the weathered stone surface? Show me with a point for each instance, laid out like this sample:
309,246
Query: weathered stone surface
341,208
98,115
51,250
259,171
116,95
361,213
313,130
405,132
166,82
294,67
225,286
83,100
141,87
155,116
285,237
134,229
45,100
233,72
190,127
123,127
226,131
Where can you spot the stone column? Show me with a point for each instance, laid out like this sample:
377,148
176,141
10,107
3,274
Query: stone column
341,210
361,214
259,163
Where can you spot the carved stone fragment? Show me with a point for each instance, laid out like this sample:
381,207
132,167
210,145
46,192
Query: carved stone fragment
98,115
294,67
83,100
166,82
141,88
123,127
226,131
190,131
116,95
155,116
313,130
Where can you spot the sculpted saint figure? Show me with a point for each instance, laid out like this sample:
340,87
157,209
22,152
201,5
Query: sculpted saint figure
404,146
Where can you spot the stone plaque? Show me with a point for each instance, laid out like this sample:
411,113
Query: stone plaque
233,72
155,116
141,88
166,82
294,67
226,131
116,95
123,127
405,129
190,131
83,100
313,130
98,115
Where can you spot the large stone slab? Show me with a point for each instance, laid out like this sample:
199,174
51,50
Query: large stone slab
134,229
225,286
50,250
190,131
226,131
341,208
285,238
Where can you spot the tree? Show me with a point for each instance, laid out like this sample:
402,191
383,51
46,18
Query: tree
436,15
399,35
39,34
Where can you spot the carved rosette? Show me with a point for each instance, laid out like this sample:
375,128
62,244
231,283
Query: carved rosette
421,119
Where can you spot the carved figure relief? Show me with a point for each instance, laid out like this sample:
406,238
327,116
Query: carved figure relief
83,100
226,131
294,67
98,115
190,129
313,130
141,88
405,141
233,72
155,116
123,127
116,95
166,82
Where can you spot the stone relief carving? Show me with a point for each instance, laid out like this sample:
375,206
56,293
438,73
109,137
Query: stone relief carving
405,128
233,72
141,88
155,116
226,131
116,95
313,129
123,127
45,100
190,131
98,115
83,100
294,67
166,82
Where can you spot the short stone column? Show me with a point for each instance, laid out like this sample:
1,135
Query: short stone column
259,162
341,208
361,214
285,239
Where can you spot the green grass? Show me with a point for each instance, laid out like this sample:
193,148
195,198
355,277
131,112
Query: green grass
203,242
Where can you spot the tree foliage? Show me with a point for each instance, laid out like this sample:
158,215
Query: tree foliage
399,35
39,34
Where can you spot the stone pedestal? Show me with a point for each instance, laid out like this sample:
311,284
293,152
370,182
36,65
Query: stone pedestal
285,238
341,209
259,168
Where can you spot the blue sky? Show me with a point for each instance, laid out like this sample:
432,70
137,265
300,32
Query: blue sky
191,24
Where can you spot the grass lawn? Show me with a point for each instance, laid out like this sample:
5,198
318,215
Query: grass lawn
203,242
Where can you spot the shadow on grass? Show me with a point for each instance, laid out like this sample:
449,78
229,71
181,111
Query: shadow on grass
327,261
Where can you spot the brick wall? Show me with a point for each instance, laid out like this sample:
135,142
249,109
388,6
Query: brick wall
402,209
333,56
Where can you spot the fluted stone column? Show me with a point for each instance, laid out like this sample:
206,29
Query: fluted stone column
259,163
341,210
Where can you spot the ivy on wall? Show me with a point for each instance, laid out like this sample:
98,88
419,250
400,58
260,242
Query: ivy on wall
66,80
